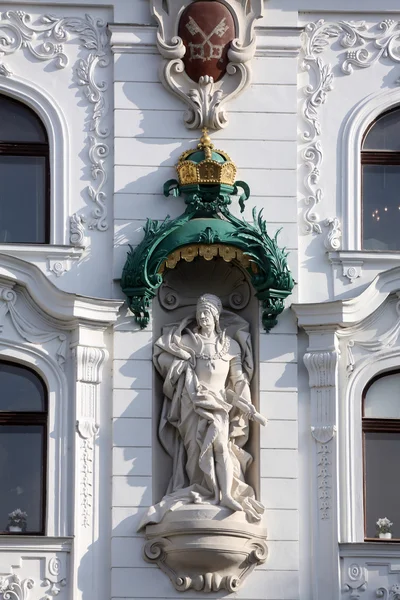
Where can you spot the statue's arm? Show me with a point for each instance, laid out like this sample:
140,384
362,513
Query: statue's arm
239,379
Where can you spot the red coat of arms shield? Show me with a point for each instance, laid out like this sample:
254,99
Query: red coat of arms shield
207,29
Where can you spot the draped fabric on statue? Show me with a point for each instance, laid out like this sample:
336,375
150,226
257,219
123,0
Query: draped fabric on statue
192,415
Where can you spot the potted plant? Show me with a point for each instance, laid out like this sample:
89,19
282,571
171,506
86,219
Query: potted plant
383,526
17,521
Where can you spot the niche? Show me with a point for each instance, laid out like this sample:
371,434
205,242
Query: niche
177,297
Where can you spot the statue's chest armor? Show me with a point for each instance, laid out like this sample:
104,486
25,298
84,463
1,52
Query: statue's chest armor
212,368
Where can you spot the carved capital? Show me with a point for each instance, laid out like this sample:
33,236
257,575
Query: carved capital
204,97
321,367
89,362
87,428
323,433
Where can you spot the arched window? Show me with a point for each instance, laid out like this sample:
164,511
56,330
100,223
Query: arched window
23,435
24,175
381,433
380,162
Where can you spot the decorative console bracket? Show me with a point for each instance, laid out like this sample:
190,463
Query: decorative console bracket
207,229
206,47
206,548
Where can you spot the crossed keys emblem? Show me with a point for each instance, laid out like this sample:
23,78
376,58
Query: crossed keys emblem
198,51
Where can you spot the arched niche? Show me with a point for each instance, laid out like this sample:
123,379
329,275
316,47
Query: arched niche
176,298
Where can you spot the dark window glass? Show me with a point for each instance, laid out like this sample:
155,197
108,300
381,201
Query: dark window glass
381,436
384,133
382,486
24,175
21,466
19,123
21,389
381,207
23,435
380,163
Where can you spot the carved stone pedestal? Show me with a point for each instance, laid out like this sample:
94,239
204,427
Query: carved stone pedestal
205,547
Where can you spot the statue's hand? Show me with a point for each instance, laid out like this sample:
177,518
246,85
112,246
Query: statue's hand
251,411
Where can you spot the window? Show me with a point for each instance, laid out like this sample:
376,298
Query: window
24,175
23,434
381,433
380,163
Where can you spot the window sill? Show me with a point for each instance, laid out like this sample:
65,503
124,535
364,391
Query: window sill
352,262
22,542
49,258
371,548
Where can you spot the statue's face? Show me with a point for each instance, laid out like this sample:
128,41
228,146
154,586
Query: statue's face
205,318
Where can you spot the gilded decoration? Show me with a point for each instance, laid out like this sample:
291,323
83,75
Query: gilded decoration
208,252
216,167
207,230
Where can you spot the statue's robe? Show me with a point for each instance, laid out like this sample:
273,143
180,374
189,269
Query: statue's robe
193,415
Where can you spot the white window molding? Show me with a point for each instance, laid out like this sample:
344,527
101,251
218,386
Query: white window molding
355,127
42,103
63,337
350,342
58,458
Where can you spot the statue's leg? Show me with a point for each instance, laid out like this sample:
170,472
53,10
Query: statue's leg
224,469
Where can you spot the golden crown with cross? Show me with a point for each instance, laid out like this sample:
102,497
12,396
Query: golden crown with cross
204,165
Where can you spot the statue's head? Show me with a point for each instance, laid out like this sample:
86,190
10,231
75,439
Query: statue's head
208,310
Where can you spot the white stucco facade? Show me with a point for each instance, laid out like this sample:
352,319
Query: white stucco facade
90,71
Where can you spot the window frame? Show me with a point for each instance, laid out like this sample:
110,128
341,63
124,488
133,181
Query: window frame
36,150
375,425
26,419
376,157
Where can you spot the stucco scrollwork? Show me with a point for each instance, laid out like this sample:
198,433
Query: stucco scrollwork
77,229
14,588
45,40
379,343
205,97
365,44
30,333
333,239
386,594
356,581
54,568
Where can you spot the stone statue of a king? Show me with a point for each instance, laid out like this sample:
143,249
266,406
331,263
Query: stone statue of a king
206,363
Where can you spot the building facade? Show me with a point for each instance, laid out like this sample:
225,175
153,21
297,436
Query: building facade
99,101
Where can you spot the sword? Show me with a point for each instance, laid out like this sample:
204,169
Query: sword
243,405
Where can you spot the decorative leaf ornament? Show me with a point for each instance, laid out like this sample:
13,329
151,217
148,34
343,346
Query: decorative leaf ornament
209,230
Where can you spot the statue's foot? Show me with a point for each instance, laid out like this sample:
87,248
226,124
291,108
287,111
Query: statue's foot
229,502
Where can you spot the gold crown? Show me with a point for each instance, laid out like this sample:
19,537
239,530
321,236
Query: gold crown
216,167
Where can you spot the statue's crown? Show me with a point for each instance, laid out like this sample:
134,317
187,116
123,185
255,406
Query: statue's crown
204,165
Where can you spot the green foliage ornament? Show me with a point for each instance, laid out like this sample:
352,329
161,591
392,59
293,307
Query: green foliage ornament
207,220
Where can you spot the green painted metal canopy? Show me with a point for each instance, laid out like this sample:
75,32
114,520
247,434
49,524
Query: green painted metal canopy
208,229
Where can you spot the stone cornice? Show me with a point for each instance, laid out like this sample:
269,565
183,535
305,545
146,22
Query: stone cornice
134,38
54,302
278,41
345,313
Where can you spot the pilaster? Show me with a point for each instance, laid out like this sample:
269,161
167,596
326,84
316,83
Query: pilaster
321,361
88,365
